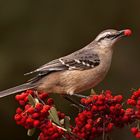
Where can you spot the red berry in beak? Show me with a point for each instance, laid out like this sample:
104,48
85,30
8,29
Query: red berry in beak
127,32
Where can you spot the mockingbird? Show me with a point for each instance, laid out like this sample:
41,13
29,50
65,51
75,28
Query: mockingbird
76,72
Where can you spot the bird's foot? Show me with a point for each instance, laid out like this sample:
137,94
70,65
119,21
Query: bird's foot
67,97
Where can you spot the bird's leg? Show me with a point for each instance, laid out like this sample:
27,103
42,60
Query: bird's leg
67,97
36,93
79,95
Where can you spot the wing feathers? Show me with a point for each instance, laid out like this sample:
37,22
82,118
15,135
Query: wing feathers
80,60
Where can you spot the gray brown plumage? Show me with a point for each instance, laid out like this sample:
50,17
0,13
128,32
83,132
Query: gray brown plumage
76,72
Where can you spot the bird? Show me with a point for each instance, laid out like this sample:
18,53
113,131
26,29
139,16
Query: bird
76,72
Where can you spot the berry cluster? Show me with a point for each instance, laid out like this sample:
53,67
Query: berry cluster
35,112
134,101
31,114
50,131
102,113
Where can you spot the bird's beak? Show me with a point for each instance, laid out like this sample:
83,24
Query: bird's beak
126,32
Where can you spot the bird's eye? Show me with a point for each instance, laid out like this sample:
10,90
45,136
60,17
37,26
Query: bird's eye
108,36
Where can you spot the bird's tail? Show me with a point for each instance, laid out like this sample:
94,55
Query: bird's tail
17,89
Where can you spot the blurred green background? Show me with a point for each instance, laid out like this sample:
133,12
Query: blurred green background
34,32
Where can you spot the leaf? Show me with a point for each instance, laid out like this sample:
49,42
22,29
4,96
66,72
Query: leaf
93,92
30,132
67,123
54,116
61,121
31,100
36,100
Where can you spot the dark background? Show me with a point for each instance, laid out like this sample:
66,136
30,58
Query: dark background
34,32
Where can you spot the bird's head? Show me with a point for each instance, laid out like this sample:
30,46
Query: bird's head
108,37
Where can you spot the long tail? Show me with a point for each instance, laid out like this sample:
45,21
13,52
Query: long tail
17,89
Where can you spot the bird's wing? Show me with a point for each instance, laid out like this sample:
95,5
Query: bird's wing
80,60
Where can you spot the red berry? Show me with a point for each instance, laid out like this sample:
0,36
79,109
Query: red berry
18,110
23,95
39,106
27,106
22,102
112,109
26,99
36,123
88,126
29,120
138,135
90,121
55,136
23,120
43,96
30,110
136,94
137,113
89,114
118,106
101,97
50,101
94,98
29,91
94,108
110,126
129,111
88,101
62,115
82,135
83,100
118,98
94,130
99,102
127,32
35,115
18,97
108,93
134,130
45,109
131,102
138,102
51,130
81,117
101,108
125,118
17,117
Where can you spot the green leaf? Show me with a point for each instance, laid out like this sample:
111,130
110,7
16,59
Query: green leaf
93,92
30,132
67,123
62,121
31,100
54,116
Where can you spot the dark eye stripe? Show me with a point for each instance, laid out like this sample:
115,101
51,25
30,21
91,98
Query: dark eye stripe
107,36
